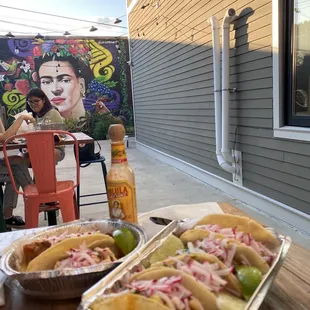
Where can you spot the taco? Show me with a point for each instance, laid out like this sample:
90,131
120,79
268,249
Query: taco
230,253
35,248
267,249
75,253
229,224
172,288
207,269
128,301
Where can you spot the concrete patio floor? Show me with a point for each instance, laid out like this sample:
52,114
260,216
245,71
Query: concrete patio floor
158,185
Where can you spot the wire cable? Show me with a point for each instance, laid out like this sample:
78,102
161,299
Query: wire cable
60,16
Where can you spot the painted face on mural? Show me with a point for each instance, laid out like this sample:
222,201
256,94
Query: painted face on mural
62,87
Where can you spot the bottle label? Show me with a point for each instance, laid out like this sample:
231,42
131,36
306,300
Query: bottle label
122,201
118,153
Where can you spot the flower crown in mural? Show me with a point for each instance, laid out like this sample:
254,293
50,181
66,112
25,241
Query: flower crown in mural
62,48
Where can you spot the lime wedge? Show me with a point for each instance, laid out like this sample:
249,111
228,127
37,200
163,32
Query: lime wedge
249,277
229,302
124,239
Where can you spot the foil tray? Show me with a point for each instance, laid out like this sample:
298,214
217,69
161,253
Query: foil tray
112,282
67,283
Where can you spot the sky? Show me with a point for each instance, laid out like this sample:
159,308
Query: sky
26,23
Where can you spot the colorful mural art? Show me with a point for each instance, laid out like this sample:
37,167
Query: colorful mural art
79,76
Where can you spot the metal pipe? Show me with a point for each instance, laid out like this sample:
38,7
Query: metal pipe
228,18
217,93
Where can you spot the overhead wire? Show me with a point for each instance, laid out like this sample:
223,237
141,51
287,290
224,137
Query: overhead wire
60,16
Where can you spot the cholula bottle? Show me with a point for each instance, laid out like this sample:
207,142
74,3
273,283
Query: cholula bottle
121,189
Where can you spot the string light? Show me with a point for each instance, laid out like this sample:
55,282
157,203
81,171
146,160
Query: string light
10,35
93,28
39,36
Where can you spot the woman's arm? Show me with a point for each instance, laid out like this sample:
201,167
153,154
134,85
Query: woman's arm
11,131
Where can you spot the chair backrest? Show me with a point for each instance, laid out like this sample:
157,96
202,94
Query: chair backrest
41,145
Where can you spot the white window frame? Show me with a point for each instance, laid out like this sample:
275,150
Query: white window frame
279,129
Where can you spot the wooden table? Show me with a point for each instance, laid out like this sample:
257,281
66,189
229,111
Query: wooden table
82,139
290,290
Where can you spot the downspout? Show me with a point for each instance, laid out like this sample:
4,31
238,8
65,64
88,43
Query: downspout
217,94
228,18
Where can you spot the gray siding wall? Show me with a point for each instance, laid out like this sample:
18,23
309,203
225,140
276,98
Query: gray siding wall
174,102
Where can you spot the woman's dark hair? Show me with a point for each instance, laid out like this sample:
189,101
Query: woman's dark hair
37,92
80,69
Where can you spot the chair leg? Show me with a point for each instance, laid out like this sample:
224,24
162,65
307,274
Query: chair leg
104,171
31,214
76,207
51,217
2,220
78,196
67,208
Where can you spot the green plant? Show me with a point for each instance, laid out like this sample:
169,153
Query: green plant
95,125
102,124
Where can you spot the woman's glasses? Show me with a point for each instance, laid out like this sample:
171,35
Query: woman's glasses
34,101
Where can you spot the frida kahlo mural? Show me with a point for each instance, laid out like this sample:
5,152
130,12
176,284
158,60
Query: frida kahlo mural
75,74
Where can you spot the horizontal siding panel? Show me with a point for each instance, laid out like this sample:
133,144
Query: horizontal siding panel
277,185
259,113
296,203
201,156
258,34
296,159
290,169
251,122
175,112
277,176
237,67
195,134
276,144
181,88
183,155
184,118
190,78
204,126
262,152
183,100
252,55
242,29
197,75
174,72
252,94
249,76
204,144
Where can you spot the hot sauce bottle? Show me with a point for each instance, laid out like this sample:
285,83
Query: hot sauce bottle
121,188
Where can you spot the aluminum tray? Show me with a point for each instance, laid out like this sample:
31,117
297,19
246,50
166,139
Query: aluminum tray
113,281
67,283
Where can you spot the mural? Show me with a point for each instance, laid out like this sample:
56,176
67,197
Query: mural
79,76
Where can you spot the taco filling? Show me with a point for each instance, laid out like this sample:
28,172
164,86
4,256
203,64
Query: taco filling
209,274
34,249
242,237
217,247
84,257
168,291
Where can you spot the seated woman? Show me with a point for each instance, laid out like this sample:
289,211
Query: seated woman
44,113
20,173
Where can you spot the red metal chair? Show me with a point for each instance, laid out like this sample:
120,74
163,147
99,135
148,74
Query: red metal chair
41,145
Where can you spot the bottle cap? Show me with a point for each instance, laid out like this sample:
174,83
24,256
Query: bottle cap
116,132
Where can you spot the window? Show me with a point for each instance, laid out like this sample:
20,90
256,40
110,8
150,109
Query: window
291,69
296,62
